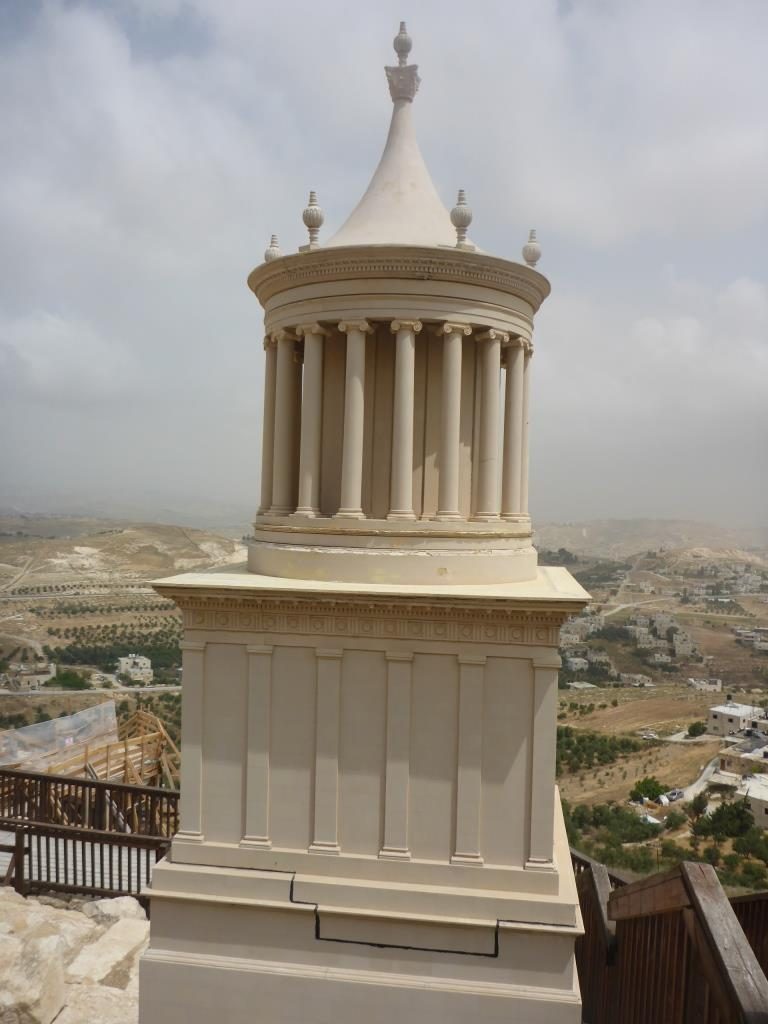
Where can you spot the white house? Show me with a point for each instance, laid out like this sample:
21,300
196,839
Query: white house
136,667
683,644
729,718
659,658
706,685
635,679
755,790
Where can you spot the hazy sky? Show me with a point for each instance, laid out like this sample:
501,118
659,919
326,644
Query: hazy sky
150,147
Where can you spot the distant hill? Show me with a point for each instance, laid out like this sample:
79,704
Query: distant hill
620,538
103,549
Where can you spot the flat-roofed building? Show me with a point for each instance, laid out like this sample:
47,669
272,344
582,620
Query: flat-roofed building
729,718
755,791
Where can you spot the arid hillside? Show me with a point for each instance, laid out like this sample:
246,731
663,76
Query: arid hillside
620,538
106,551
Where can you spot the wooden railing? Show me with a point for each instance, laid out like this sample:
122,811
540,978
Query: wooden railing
668,949
82,835
60,858
87,803
752,914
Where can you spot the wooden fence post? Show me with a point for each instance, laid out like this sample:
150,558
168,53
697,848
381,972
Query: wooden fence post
18,863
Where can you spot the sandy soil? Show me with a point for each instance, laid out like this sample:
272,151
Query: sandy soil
673,764
665,712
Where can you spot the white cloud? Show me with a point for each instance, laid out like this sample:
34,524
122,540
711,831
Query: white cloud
46,358
145,168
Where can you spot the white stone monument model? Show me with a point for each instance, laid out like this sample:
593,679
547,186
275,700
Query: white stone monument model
370,828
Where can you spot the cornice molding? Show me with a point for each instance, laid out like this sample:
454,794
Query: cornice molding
372,618
410,262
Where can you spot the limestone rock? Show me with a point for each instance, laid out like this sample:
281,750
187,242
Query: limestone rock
111,954
31,979
33,919
9,896
95,1004
73,931
110,910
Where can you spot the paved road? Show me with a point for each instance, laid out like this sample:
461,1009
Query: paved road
48,691
633,604
701,783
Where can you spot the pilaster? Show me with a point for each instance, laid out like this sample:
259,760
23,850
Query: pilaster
257,761
542,770
326,802
191,781
469,761
398,770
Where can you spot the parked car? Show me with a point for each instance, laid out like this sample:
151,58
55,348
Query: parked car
674,794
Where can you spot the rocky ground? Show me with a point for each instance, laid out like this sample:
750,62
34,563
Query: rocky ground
70,961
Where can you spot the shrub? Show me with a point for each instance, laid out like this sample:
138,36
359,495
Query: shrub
674,820
697,728
649,787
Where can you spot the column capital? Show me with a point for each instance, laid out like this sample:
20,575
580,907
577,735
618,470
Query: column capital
493,335
405,325
329,653
528,346
283,334
303,329
269,342
192,645
355,325
451,328
508,348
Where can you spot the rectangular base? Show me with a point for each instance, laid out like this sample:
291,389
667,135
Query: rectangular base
183,988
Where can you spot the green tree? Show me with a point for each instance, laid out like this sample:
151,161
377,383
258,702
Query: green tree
649,787
697,806
697,728
674,820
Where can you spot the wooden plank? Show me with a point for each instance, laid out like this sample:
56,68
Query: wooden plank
658,894
724,948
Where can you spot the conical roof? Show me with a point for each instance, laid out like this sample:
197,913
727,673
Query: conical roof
401,205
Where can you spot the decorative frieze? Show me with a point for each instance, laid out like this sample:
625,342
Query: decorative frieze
400,262
375,619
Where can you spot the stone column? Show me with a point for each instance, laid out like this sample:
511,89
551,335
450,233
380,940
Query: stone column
450,421
401,481
543,734
513,431
311,420
268,426
191,782
354,420
256,831
487,453
286,425
524,444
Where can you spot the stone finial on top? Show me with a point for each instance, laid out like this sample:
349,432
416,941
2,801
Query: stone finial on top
313,218
403,45
461,218
273,251
404,79
532,249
